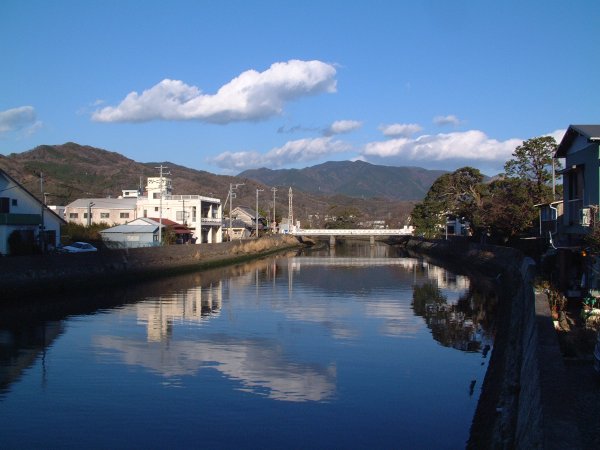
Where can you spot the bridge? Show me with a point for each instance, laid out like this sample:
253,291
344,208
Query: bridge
333,233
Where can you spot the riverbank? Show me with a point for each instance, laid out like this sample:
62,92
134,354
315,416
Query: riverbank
54,274
526,399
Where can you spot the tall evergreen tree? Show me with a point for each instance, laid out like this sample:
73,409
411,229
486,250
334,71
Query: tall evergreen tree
532,161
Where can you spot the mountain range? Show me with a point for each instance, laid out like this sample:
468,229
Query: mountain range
355,179
71,171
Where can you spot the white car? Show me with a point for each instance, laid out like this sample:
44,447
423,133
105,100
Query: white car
79,247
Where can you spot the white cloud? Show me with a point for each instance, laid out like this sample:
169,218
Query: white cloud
471,147
400,129
342,126
301,150
250,96
557,135
446,120
22,118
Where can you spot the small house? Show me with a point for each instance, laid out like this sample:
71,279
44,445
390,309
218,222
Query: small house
27,225
140,232
580,148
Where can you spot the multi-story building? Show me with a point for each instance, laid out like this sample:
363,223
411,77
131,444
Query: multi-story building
202,215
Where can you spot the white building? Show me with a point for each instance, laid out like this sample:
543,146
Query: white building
112,211
202,215
25,222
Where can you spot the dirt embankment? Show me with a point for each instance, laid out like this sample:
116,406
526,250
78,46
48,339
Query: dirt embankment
51,274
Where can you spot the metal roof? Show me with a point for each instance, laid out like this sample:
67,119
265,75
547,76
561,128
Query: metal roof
591,132
107,203
131,229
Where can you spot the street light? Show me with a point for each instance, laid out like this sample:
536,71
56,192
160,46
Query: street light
256,212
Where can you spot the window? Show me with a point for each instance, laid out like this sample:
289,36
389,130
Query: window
156,208
85,215
4,205
104,215
155,195
73,215
193,213
14,202
124,215
180,216
145,213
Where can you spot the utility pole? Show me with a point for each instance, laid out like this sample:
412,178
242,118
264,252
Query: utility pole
42,234
290,210
256,221
232,195
160,196
274,189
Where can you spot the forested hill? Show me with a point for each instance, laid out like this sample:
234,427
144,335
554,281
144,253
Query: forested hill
355,179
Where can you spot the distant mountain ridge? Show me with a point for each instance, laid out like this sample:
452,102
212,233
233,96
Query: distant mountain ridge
72,171
355,179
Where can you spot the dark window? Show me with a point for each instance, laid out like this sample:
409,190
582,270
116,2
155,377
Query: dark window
124,215
4,205
14,202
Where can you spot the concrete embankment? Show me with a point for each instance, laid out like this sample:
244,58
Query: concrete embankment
525,401
51,274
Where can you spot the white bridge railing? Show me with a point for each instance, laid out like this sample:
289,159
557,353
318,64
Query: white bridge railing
406,231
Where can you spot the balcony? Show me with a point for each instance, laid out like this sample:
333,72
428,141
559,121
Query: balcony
211,221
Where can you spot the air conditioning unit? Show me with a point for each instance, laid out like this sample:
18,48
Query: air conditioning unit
585,217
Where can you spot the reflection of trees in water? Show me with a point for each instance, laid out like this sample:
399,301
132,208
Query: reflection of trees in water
466,325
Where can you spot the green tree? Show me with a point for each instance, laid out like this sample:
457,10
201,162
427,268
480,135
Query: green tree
345,218
456,194
532,161
507,209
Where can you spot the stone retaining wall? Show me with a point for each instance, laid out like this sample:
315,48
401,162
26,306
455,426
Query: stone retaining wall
31,275
524,398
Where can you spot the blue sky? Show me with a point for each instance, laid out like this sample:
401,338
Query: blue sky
225,86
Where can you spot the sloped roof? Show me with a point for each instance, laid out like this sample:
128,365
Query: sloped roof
178,228
235,223
249,211
131,229
591,132
46,209
107,203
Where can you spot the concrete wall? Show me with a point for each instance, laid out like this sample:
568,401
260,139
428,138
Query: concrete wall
524,398
47,274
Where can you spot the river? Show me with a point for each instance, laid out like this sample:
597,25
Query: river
358,347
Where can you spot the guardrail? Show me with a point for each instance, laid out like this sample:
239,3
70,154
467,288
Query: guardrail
354,232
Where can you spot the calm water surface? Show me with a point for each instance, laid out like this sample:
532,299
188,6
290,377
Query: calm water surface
360,348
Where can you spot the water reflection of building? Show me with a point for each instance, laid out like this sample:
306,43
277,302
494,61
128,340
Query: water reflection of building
445,279
192,305
441,277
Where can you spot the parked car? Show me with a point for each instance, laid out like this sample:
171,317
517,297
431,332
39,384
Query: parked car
78,247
